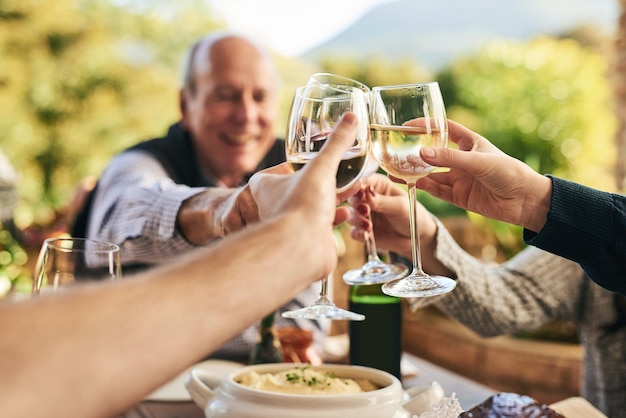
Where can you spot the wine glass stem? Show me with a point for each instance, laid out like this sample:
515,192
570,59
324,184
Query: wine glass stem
323,299
370,244
324,287
415,236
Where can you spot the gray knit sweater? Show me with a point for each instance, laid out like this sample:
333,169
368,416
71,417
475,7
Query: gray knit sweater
531,289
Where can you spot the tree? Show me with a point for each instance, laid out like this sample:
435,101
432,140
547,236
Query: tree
376,71
619,91
82,79
546,102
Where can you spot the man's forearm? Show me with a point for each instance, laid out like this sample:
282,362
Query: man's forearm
125,313
201,218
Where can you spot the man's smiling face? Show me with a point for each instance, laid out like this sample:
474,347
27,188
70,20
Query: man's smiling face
233,108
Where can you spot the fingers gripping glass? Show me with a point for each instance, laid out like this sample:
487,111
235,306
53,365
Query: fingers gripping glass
374,270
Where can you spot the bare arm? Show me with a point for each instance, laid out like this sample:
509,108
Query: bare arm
97,349
67,350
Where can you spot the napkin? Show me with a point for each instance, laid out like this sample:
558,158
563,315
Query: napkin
447,407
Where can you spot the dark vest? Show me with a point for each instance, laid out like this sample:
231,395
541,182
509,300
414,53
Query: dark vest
176,155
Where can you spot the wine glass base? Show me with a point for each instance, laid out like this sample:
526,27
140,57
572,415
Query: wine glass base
324,312
419,287
375,273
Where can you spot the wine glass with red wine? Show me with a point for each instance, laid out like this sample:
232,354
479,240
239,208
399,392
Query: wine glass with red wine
315,110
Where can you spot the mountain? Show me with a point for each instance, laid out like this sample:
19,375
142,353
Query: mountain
436,32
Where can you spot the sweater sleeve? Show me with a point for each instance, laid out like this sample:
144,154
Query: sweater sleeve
519,295
587,226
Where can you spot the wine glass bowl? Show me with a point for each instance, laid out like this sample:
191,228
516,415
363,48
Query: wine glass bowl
64,261
402,124
405,118
316,109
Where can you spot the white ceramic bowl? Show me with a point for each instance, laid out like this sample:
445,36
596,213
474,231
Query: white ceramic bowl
227,398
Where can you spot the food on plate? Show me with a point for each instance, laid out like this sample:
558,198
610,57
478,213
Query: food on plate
510,405
305,381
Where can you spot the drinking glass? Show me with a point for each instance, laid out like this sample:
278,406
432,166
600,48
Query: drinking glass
63,261
405,118
315,110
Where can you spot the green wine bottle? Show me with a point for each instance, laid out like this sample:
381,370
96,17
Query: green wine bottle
267,349
377,341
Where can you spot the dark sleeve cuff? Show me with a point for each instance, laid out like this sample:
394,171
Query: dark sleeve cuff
587,226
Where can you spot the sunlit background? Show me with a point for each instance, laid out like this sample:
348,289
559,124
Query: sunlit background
82,79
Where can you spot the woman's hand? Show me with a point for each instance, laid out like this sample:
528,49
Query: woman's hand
487,181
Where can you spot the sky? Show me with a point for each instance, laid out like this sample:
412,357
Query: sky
261,18
279,24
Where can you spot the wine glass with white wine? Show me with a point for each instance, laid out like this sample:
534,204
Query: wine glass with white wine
315,110
405,118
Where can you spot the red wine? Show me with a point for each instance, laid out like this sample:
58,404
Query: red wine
376,341
349,170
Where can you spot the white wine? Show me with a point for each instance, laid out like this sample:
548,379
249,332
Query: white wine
350,166
396,149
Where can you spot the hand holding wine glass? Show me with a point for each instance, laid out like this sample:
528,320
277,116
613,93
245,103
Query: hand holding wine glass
404,119
315,111
374,270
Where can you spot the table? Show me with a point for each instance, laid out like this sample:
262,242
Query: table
154,409
468,392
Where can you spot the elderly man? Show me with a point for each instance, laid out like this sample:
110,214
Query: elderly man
169,195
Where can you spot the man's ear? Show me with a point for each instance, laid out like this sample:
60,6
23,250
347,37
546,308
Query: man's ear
182,103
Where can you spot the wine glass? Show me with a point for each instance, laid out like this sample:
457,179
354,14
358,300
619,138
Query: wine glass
315,110
63,261
405,118
374,270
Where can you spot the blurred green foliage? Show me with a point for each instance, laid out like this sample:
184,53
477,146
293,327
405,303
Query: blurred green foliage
13,258
82,79
547,102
